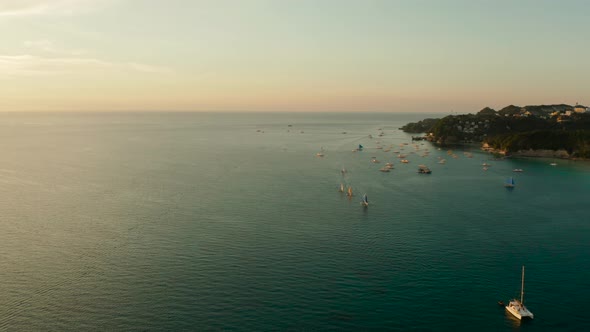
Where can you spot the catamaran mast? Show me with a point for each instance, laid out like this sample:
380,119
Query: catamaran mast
522,288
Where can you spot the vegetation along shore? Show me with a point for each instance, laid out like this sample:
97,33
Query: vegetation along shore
559,131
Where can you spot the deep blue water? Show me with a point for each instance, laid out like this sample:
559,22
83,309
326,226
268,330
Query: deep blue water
196,221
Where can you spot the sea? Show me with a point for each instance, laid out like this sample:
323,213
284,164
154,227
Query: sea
231,222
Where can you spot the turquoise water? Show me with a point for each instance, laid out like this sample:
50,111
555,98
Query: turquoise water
193,221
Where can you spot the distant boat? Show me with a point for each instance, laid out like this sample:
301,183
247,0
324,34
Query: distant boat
365,201
422,169
343,171
517,170
516,307
360,148
385,169
553,164
341,188
349,194
509,183
321,153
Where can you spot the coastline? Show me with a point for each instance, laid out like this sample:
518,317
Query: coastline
530,153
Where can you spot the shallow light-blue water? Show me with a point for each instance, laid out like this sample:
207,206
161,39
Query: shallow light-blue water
195,221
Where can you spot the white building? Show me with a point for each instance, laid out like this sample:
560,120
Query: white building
579,108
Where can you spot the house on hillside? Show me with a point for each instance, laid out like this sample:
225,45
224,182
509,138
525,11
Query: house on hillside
579,108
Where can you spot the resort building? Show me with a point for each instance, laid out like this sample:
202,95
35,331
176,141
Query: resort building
579,108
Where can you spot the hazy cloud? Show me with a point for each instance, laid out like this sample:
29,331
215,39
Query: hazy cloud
33,65
45,7
48,47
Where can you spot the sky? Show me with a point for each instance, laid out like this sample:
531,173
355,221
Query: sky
292,55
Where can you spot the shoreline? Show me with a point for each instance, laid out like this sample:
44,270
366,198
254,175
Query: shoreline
541,153
547,154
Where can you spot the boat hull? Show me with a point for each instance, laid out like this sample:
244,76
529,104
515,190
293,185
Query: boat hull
519,311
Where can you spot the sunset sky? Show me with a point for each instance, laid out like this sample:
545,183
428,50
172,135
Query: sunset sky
292,55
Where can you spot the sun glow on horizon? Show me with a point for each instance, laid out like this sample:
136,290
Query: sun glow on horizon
377,56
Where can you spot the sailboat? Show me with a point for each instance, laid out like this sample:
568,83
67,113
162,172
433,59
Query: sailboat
509,183
516,307
349,194
321,153
365,201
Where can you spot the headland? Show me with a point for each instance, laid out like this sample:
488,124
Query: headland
555,131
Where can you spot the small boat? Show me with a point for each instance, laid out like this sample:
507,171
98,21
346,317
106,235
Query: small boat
405,161
509,183
365,201
517,170
321,153
553,164
424,170
343,171
375,161
349,193
486,165
485,168
516,307
385,169
341,189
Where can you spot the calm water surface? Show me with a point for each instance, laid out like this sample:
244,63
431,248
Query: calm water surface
165,222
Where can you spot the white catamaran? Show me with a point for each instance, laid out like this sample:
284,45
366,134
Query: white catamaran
517,307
